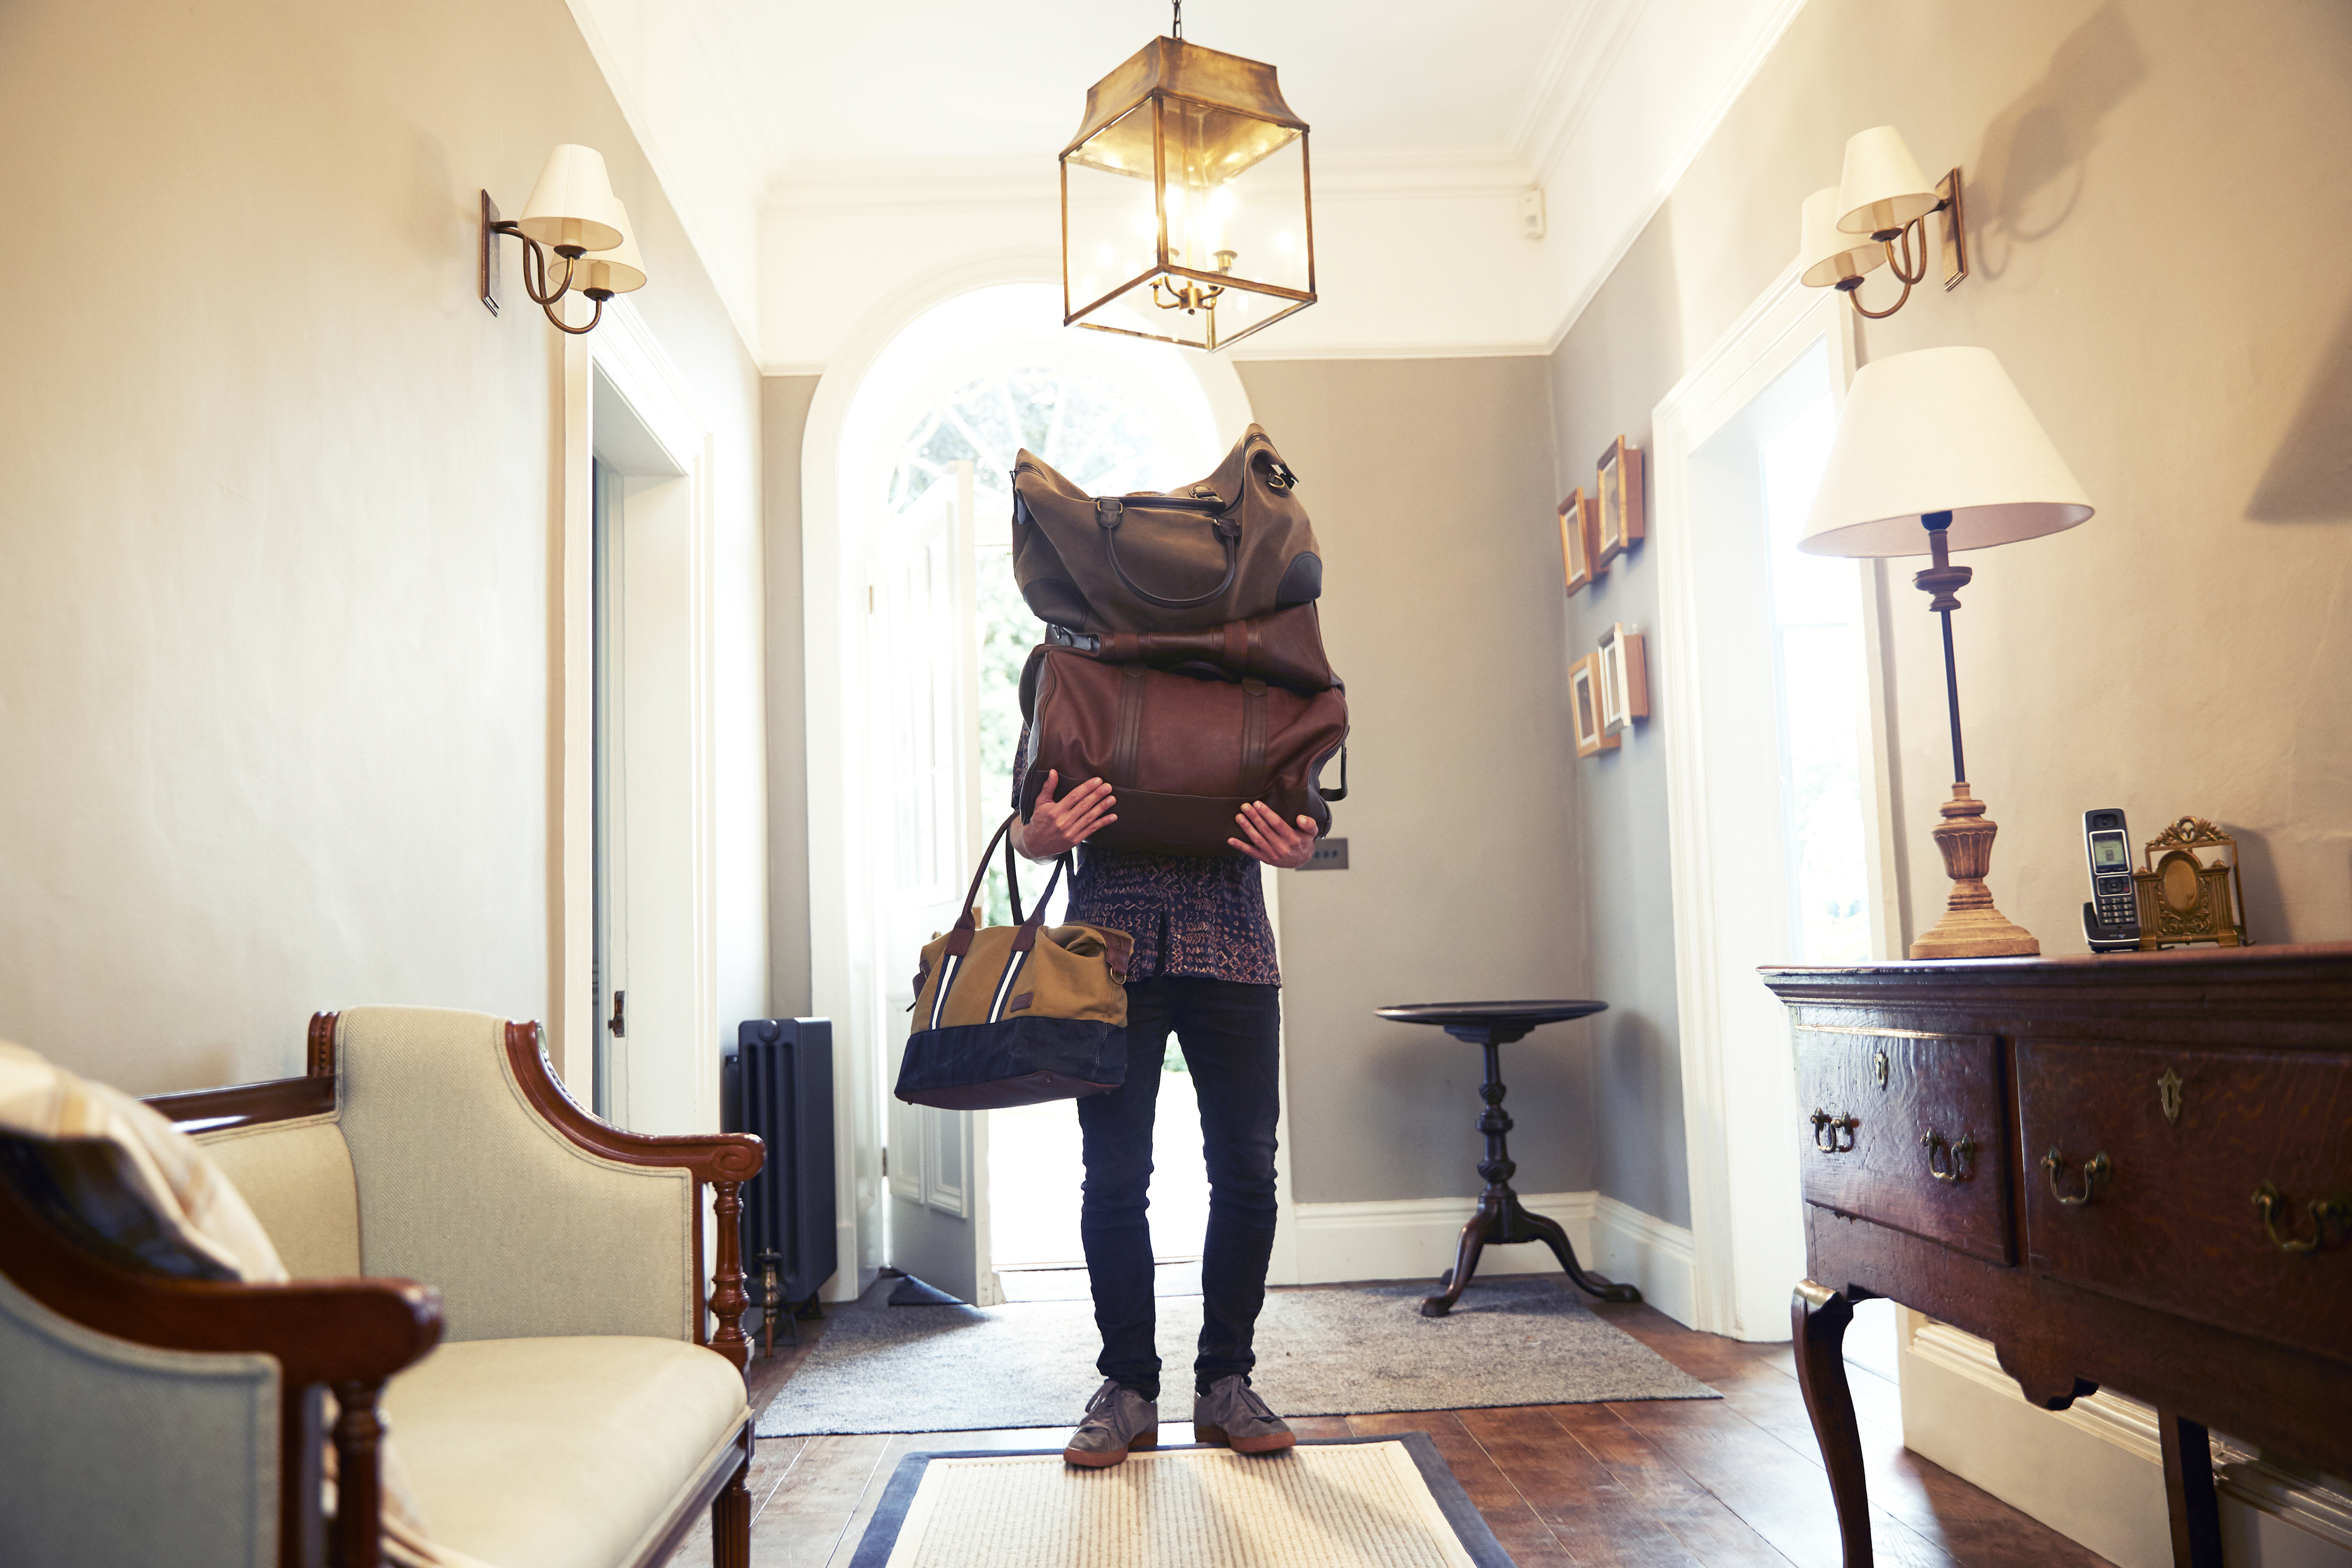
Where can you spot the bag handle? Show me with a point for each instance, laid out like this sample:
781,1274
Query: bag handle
1108,513
967,923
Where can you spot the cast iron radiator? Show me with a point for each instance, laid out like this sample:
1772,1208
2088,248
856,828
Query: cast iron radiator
776,1080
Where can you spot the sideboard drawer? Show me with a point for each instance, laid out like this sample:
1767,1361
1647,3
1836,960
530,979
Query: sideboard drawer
1907,1130
2146,1163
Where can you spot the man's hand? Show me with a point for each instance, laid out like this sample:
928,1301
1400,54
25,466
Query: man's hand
1273,841
1054,826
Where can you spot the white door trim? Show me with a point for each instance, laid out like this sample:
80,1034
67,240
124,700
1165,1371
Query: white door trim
1728,1148
625,350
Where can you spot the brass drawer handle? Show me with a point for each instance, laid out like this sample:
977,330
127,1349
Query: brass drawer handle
2097,1171
1954,1165
1826,1129
2267,1203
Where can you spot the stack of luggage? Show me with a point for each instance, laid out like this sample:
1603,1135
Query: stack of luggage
1183,662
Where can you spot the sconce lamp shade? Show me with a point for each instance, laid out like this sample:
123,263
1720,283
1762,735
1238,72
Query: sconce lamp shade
1882,189
1941,429
614,271
1827,252
571,209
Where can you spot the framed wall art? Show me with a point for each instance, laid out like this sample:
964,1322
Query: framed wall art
1619,484
1624,678
1584,698
1579,518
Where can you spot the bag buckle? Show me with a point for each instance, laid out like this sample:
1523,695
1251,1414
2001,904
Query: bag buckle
1278,474
1063,637
1227,527
1108,512
1203,492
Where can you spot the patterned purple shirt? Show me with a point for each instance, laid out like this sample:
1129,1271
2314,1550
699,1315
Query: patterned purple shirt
1202,915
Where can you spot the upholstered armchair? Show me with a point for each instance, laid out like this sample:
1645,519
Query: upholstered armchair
509,1288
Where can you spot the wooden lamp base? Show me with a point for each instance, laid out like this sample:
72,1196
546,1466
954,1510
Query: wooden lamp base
1972,927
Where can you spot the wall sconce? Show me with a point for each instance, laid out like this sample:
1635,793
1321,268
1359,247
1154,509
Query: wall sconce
573,213
1876,215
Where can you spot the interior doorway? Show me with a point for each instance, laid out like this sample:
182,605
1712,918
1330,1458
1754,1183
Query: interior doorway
928,705
1777,771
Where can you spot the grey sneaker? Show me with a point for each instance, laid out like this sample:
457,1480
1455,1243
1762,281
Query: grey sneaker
1117,1422
1230,1415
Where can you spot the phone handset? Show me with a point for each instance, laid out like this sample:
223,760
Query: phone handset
2110,915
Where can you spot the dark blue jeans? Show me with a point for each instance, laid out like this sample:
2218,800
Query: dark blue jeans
1229,1035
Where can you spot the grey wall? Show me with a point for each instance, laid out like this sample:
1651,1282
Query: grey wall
279,513
1429,483
2189,650
783,418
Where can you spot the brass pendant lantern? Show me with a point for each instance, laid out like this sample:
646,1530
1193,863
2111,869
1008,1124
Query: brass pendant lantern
1185,201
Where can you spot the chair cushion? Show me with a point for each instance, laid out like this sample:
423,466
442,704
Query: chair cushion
569,1452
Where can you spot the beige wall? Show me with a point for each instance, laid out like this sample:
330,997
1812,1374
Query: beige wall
278,514
2146,183
1442,609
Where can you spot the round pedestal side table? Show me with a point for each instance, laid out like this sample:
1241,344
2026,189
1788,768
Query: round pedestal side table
1501,1219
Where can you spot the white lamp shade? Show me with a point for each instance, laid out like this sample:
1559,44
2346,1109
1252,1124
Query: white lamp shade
1941,429
1882,188
572,205
1828,253
617,270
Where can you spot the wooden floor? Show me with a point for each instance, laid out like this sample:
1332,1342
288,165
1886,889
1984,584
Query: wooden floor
1663,1483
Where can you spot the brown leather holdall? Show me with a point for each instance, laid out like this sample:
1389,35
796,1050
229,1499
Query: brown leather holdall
1234,547
1181,753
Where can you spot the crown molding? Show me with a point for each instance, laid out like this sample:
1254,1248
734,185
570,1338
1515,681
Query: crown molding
1703,131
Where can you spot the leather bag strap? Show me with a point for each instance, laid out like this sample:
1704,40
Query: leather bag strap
960,936
1129,735
1253,778
1239,637
1108,514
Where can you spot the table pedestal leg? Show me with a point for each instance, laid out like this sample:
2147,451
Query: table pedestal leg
1501,1219
1817,1316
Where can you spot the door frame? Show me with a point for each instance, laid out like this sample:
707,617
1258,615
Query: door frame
834,666
1731,1211
623,350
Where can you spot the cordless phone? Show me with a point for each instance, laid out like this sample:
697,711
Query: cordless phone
2111,917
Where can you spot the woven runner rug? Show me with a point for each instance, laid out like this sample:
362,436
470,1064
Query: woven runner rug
1344,1352
1387,1503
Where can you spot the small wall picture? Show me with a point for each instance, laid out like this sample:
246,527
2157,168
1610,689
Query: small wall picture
1624,678
1584,697
1619,481
1579,518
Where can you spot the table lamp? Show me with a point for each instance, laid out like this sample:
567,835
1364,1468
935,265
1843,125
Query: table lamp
1936,452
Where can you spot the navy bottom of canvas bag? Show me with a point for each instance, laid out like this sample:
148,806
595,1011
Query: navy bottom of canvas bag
1015,1061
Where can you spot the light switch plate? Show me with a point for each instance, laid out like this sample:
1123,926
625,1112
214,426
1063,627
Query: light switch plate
1331,854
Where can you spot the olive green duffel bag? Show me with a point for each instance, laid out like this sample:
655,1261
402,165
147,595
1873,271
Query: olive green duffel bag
1013,1015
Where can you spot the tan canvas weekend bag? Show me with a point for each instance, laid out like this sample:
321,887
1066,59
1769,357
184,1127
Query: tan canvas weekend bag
1234,547
1015,1015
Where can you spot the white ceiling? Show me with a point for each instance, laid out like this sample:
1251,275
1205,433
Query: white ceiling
924,79
830,163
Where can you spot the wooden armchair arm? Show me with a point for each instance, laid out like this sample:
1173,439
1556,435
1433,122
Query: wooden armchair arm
724,1160
351,1335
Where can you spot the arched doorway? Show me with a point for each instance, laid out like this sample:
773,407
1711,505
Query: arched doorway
909,601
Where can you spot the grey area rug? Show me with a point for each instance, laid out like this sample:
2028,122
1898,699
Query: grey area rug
1320,1352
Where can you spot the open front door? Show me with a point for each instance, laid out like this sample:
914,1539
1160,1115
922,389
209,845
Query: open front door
925,671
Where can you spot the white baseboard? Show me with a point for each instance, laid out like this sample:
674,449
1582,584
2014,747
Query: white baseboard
1409,1239
1644,1250
2094,1472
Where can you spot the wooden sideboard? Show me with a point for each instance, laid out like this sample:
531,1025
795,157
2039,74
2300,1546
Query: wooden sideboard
2132,1172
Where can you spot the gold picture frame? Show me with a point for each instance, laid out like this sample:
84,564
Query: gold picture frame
1624,678
1579,517
1593,736
1617,483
